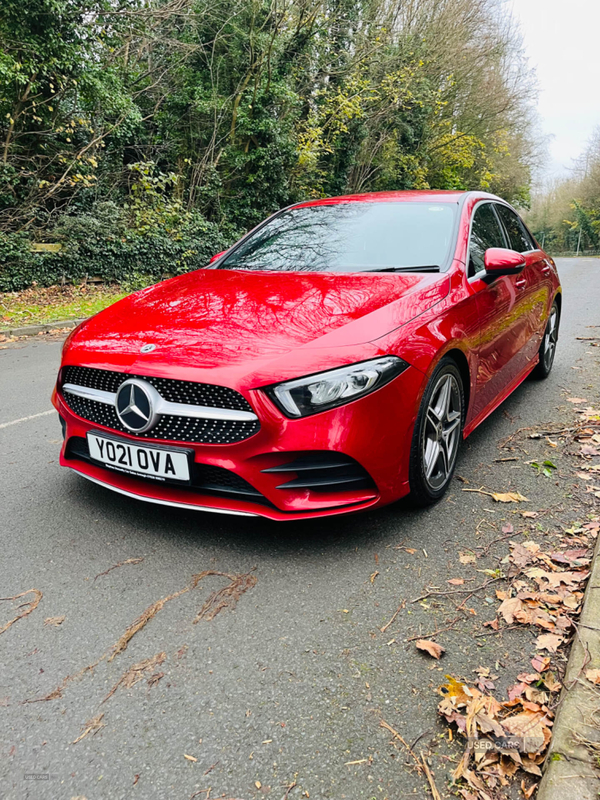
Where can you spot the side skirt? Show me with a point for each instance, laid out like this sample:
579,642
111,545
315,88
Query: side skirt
500,399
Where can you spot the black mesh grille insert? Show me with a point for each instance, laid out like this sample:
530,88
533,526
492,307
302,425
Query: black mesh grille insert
205,478
171,428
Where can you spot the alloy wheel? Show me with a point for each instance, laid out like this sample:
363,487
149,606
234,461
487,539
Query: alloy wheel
441,434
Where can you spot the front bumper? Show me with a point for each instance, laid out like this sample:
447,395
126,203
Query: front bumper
374,431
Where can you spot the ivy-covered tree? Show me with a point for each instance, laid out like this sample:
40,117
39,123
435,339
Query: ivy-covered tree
230,110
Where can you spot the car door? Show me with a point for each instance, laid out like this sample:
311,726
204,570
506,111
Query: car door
501,304
537,273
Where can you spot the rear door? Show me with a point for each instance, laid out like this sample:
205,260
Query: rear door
501,306
537,273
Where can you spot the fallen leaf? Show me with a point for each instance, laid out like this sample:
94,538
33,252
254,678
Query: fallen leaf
493,624
189,758
530,725
258,784
576,400
549,641
467,558
593,675
520,556
540,664
433,648
516,690
509,607
530,514
509,497
527,793
373,576
456,581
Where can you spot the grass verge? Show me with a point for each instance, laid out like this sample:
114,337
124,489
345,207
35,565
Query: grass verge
40,305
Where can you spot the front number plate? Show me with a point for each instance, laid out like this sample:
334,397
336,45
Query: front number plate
153,462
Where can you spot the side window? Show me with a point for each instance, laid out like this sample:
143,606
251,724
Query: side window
485,233
518,237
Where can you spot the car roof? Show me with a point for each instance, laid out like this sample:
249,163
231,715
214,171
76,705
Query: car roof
413,195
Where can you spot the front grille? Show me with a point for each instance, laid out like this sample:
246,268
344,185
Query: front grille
204,478
323,471
171,428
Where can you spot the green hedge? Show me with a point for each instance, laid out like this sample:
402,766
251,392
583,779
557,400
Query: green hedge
101,247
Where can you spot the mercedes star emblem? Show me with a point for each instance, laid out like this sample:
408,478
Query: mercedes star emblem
147,348
136,404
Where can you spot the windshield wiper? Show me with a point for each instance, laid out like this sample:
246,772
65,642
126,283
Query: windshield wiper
428,268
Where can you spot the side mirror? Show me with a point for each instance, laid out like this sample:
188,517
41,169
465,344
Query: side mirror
501,261
214,258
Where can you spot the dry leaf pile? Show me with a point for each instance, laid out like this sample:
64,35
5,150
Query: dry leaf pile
510,737
547,590
506,739
588,437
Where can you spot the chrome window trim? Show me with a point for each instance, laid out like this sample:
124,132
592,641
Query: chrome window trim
164,407
172,504
479,203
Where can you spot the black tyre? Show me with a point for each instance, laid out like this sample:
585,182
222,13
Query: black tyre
437,434
548,345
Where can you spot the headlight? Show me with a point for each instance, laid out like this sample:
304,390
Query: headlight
304,396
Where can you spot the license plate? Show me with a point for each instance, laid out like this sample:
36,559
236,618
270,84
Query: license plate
159,463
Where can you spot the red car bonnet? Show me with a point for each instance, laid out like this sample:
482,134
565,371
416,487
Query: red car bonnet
217,318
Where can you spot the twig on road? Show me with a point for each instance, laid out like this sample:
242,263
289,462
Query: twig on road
394,615
434,633
428,774
29,606
120,564
396,735
500,630
468,590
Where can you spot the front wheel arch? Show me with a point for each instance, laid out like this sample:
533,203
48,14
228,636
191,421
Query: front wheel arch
422,491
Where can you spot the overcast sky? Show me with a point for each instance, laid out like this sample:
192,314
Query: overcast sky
562,40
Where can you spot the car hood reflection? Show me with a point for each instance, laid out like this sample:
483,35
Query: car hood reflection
217,317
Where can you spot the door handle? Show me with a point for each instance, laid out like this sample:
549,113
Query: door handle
546,268
520,283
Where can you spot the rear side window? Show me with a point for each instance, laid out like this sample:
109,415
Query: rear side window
485,233
518,237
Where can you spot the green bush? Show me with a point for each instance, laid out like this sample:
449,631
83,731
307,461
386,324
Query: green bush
104,244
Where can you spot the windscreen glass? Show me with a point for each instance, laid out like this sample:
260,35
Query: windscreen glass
350,237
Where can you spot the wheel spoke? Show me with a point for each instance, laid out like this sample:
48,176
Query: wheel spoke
445,458
432,417
444,398
452,425
432,454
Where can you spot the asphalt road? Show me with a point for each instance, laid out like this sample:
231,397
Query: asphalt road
291,684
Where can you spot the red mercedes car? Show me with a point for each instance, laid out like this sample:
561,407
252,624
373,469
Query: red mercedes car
330,361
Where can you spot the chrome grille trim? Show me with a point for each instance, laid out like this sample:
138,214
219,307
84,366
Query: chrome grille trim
165,407
90,394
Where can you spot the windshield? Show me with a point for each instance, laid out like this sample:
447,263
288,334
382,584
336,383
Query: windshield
350,237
